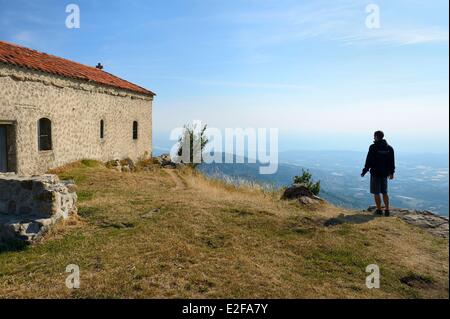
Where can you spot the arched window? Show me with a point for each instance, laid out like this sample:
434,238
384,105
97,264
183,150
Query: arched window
102,129
135,130
45,134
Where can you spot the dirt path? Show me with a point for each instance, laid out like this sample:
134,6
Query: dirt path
179,184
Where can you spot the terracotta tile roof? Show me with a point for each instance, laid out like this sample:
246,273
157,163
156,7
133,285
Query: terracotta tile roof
31,59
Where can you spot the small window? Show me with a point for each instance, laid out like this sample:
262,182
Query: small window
102,129
135,130
45,134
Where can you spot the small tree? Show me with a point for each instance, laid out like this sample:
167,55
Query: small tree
306,180
191,145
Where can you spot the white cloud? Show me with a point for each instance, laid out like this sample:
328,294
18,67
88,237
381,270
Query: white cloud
23,37
237,84
343,21
398,36
257,85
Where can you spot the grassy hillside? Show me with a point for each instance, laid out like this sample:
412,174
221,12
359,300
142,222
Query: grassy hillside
166,234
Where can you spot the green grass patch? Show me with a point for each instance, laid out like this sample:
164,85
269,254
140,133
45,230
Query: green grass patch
91,163
77,175
85,195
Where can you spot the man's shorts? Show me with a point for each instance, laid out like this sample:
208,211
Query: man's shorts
378,184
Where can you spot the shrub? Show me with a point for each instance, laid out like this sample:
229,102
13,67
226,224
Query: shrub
194,141
110,164
307,180
90,163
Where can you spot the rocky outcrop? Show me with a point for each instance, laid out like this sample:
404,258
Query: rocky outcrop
29,206
165,161
126,165
435,224
301,193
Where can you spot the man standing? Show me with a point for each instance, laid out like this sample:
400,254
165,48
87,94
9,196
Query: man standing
381,163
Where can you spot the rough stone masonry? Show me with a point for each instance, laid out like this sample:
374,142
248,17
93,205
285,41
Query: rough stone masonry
90,114
30,205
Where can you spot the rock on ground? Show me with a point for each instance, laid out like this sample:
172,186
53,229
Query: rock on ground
126,165
435,224
165,161
301,193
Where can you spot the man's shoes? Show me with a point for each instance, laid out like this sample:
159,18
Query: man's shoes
379,212
387,213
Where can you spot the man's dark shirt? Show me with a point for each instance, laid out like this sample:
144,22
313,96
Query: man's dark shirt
380,159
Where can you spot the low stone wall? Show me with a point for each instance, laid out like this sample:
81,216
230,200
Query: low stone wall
30,205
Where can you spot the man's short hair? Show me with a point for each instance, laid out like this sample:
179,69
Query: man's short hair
379,134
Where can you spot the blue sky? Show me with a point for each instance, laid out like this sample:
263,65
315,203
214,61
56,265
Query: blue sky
310,68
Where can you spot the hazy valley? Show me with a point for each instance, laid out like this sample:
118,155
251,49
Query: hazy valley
422,180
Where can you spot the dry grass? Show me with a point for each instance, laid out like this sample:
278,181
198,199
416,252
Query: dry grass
176,234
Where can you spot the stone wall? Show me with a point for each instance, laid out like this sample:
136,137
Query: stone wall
30,205
75,108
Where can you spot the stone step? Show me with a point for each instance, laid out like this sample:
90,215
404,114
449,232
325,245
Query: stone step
29,206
